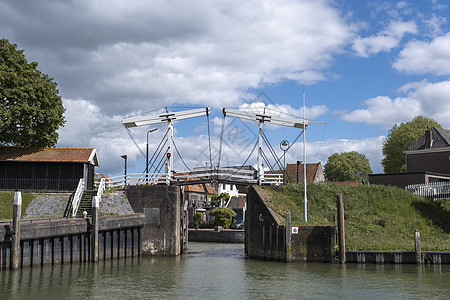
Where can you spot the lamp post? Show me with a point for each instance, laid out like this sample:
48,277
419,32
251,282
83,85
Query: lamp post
284,146
125,169
146,156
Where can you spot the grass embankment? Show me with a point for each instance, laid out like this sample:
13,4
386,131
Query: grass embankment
376,217
7,203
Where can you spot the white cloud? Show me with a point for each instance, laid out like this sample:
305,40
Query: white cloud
421,57
384,112
422,98
87,127
285,110
320,151
157,53
385,40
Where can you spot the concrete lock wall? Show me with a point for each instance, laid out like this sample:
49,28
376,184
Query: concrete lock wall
166,224
69,240
266,238
264,235
314,243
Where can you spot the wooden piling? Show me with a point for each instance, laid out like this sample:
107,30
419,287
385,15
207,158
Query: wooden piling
288,237
15,237
94,232
341,230
417,246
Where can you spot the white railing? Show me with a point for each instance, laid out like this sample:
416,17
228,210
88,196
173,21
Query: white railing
270,178
77,197
434,190
216,174
101,188
136,179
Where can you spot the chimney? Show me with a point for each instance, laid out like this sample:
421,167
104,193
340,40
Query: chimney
428,138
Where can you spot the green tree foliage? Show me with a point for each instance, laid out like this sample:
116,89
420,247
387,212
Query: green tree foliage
31,111
347,166
216,199
399,138
224,216
197,219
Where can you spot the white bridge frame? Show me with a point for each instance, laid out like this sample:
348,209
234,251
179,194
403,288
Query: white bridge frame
208,174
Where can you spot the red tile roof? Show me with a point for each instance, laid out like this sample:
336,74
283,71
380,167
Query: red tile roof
199,188
311,171
25,154
237,202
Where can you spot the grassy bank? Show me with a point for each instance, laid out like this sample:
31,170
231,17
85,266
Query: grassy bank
376,217
7,202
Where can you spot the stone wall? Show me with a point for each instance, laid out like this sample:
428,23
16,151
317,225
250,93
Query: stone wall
222,236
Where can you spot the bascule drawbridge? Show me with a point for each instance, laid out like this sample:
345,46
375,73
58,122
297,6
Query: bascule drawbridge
159,168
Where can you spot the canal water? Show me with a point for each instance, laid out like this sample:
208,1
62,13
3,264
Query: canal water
221,271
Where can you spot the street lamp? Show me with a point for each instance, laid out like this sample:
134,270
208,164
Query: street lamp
125,169
146,156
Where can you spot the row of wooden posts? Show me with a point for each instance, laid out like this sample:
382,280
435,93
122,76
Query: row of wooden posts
15,238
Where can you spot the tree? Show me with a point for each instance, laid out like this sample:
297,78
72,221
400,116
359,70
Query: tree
223,216
217,200
347,166
31,111
399,138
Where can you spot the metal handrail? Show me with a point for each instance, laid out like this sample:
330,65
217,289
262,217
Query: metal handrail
77,197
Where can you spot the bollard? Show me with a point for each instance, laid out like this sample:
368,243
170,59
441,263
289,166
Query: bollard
341,231
288,237
15,241
417,246
94,233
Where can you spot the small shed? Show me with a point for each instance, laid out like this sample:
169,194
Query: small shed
50,169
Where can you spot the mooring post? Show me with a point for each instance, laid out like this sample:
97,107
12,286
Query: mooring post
94,233
15,238
288,237
417,246
341,231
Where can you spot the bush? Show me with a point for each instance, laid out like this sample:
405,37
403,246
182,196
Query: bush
223,215
197,219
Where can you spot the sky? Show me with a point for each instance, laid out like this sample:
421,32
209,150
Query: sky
362,67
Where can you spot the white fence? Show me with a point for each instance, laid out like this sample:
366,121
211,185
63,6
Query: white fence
275,179
434,190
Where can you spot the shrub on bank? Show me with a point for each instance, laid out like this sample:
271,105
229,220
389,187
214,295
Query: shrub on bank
223,215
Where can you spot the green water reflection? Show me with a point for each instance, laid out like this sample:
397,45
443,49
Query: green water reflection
221,271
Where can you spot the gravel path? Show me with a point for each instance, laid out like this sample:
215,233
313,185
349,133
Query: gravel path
52,205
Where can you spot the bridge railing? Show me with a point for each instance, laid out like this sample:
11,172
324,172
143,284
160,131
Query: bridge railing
215,173
237,175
